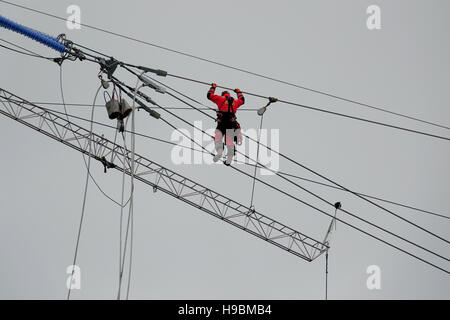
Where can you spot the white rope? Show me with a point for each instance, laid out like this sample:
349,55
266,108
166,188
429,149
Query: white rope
85,193
130,223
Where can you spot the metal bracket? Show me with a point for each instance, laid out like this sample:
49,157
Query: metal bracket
109,66
262,110
106,164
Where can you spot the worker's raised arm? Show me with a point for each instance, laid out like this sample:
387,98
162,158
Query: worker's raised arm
240,98
210,95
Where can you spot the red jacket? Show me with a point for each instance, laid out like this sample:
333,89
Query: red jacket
222,101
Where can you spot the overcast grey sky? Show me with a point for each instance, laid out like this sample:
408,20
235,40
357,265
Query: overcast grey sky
182,253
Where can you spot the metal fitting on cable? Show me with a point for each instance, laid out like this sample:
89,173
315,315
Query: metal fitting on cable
152,84
147,98
158,72
262,110
105,84
109,66
106,164
153,113
142,105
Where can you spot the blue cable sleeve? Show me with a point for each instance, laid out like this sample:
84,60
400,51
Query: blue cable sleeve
32,34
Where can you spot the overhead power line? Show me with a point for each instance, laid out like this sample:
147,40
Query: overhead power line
177,186
245,163
329,215
369,196
321,92
310,170
290,181
103,106
321,110
285,101
329,180
23,50
384,241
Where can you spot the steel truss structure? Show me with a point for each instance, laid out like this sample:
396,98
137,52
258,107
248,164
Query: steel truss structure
160,178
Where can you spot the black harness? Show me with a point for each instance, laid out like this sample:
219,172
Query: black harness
227,117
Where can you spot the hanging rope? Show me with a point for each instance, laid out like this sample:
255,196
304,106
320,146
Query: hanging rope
125,245
337,206
131,208
121,220
256,163
85,193
326,275
260,112
312,193
130,223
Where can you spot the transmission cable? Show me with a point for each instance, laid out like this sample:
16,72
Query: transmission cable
338,219
30,53
362,194
103,106
323,110
323,177
402,250
230,67
245,163
315,195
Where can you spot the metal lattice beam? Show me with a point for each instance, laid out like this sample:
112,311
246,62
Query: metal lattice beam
161,178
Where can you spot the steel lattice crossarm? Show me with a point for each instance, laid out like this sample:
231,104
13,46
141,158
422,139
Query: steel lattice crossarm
160,177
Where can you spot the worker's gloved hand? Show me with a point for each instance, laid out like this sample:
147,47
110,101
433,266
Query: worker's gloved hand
213,85
237,90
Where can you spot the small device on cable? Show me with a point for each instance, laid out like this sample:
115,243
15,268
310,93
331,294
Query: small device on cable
152,84
105,84
261,111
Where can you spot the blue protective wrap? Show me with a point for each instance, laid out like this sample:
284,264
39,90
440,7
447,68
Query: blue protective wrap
32,34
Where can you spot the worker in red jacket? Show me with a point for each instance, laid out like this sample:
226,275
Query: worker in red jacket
227,125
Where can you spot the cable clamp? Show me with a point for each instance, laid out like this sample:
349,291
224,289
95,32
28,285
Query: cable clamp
109,66
152,84
106,164
262,110
159,72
